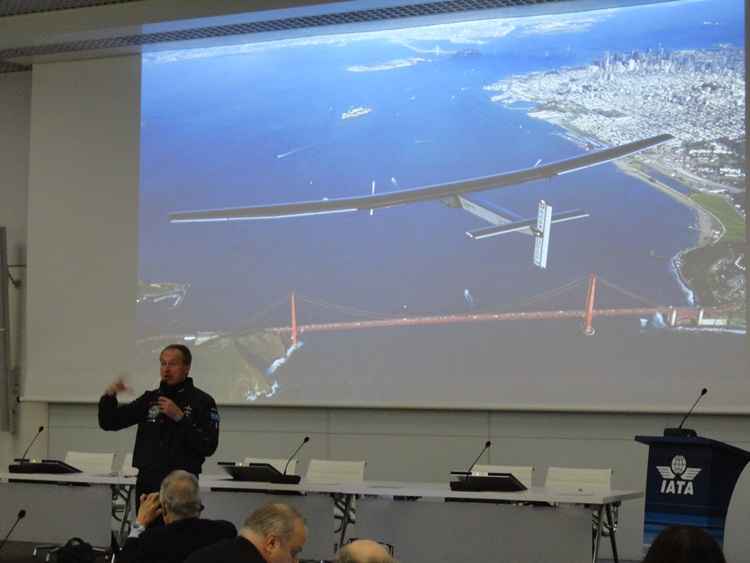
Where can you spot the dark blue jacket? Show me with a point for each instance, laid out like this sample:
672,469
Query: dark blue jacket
161,444
174,542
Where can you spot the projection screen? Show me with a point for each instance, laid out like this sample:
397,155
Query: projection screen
311,223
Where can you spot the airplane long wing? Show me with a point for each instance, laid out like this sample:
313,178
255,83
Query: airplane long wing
413,195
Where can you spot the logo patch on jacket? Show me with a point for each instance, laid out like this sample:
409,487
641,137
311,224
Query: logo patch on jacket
153,413
214,416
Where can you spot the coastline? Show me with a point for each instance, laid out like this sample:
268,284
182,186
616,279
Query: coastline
706,224
675,266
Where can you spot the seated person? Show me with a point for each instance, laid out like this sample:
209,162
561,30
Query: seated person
363,551
275,533
184,532
684,544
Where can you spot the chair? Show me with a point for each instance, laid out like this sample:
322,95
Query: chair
127,469
523,473
88,462
329,471
594,480
278,463
578,479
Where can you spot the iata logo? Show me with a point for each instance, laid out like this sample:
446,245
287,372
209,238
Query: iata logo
677,479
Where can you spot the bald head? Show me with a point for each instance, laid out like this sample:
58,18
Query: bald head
363,551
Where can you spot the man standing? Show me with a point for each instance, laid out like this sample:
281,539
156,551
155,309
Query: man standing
178,424
275,533
179,503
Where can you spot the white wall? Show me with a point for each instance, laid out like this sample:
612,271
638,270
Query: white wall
15,100
76,126
15,106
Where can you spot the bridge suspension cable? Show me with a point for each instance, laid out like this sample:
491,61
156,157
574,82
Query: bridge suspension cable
624,291
353,311
546,295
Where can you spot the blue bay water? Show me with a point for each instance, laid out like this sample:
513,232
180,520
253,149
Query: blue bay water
430,123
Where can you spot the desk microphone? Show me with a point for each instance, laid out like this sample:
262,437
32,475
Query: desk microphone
487,445
685,432
294,453
21,515
23,457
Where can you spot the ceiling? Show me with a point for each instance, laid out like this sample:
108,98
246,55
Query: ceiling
37,31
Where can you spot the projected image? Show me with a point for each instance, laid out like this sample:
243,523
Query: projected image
518,211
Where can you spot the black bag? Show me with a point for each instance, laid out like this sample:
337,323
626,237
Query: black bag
76,551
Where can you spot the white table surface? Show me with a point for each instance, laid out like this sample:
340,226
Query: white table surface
573,495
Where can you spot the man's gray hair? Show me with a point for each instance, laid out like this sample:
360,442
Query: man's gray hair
274,519
180,495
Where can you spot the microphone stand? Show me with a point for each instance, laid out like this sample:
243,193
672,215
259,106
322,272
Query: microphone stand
21,516
487,445
681,432
23,459
294,453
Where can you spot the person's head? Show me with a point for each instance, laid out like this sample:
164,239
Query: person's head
180,496
175,362
684,544
363,551
278,532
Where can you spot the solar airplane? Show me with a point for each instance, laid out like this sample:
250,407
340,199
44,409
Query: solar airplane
453,194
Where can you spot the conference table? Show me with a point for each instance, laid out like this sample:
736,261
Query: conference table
422,521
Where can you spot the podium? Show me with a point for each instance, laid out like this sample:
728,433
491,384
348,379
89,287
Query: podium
690,481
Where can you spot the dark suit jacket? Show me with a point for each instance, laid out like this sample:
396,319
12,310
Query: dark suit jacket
174,542
161,444
236,550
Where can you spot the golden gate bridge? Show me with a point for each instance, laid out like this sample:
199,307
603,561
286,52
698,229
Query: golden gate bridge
674,316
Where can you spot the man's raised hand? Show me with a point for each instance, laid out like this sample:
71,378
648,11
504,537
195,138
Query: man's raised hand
117,386
149,510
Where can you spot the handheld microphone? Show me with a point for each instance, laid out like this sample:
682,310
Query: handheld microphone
686,432
21,516
294,453
487,445
23,457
